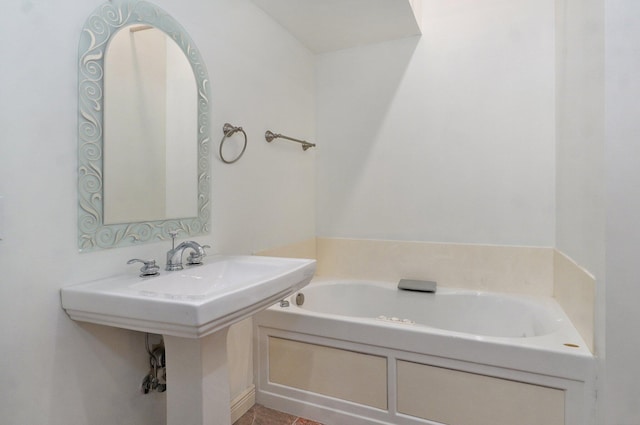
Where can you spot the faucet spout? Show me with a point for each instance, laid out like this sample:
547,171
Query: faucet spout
174,256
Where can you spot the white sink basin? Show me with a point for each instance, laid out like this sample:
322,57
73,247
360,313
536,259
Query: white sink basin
190,303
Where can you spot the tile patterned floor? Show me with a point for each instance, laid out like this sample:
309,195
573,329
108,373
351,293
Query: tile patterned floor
260,415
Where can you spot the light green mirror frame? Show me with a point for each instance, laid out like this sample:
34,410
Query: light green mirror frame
101,25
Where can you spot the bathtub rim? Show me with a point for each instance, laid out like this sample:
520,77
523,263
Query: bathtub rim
545,354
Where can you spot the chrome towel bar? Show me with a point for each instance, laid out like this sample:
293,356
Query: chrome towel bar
269,137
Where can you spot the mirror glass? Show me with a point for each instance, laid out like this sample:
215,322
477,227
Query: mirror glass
143,128
150,121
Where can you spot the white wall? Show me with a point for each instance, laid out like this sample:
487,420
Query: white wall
58,372
623,209
448,137
598,180
580,137
580,132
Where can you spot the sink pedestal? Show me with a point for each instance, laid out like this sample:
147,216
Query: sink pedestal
192,309
198,380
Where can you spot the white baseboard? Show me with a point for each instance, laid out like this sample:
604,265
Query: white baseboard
242,403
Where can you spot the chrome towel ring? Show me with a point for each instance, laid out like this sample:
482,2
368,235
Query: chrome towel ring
229,131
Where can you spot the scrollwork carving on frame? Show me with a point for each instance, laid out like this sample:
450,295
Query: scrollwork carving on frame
99,28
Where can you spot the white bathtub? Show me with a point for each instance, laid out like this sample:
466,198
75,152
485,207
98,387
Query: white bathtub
470,312
326,358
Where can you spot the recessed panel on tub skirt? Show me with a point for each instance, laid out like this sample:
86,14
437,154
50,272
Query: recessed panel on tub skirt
461,398
347,375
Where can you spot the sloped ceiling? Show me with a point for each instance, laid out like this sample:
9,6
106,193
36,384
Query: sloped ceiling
328,25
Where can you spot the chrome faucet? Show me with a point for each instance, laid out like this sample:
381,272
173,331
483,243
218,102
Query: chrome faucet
174,255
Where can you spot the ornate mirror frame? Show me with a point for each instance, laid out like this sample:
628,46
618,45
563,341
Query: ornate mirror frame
99,28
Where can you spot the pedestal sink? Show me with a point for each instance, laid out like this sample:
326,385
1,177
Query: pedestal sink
192,309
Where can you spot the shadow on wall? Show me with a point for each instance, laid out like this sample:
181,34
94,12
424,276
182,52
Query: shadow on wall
351,128
109,358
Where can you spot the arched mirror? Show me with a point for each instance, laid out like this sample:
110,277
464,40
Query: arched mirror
143,159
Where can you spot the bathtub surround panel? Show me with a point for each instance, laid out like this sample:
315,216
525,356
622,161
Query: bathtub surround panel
524,270
348,375
574,288
453,397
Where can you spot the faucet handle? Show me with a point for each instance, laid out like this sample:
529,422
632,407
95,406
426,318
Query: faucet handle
195,258
173,234
149,268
